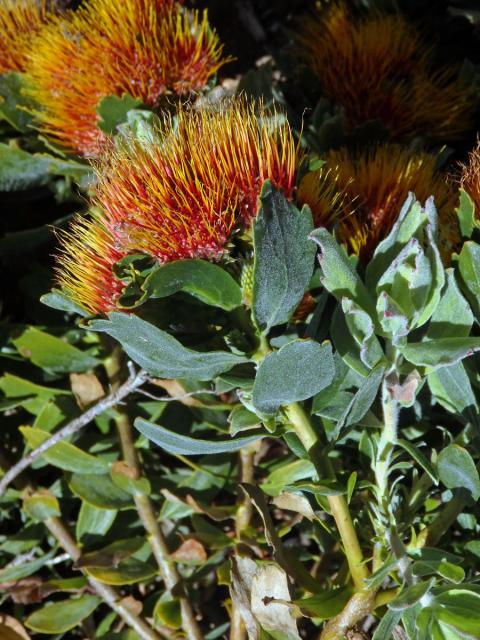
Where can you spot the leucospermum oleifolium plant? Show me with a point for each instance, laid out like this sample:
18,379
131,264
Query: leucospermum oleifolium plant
249,408
210,309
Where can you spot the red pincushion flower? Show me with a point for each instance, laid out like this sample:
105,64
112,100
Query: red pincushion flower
180,194
144,48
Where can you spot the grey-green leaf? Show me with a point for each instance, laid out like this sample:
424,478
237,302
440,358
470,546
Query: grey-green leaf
339,275
297,371
440,353
206,281
184,445
457,470
284,258
159,353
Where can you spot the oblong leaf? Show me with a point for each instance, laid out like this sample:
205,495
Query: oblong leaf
440,353
59,617
159,353
457,470
297,371
183,445
64,455
206,281
284,258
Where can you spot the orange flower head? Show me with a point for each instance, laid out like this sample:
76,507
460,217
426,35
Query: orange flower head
20,20
181,193
361,194
84,265
143,48
470,177
378,67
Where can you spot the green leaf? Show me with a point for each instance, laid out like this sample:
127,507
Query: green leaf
339,275
284,258
13,103
60,617
451,387
466,214
287,474
457,470
56,299
130,571
453,317
325,605
440,353
469,267
94,521
64,455
25,569
167,612
410,596
409,224
41,506
387,624
21,170
418,456
15,387
206,281
52,353
241,419
159,353
361,401
113,111
100,491
362,329
184,445
297,371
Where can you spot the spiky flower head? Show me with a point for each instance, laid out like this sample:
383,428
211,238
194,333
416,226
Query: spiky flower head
84,265
180,193
470,177
361,194
19,21
143,48
378,67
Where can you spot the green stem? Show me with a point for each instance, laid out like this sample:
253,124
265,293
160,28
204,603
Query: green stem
338,505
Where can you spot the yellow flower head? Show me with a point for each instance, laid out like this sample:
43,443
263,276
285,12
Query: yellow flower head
20,20
84,265
377,67
144,48
361,194
470,177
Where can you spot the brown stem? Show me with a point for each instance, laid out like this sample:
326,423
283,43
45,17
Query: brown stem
134,381
145,508
106,593
358,607
242,521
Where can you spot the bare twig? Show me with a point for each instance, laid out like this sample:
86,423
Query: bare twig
134,381
145,508
109,595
